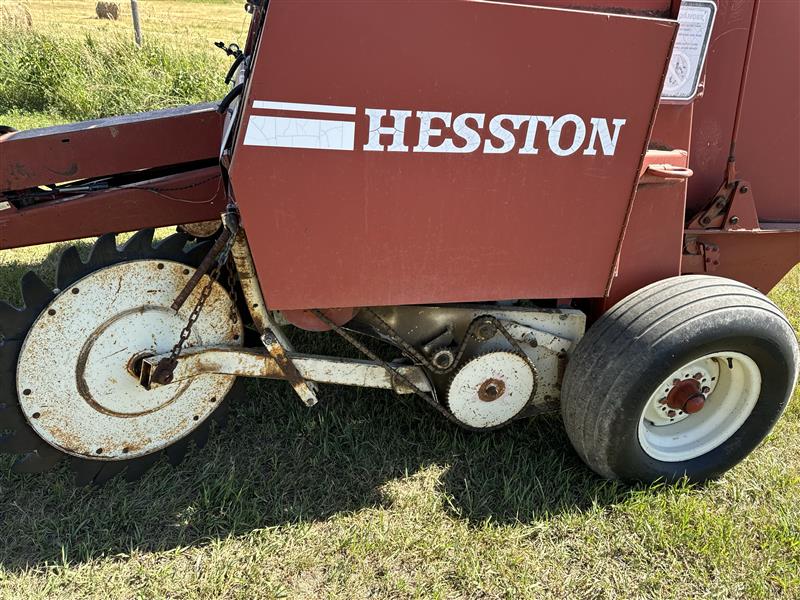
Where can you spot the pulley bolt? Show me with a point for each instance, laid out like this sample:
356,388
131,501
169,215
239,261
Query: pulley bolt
491,389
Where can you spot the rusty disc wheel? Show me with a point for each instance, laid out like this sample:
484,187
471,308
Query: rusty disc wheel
30,425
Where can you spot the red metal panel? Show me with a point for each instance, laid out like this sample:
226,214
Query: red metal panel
714,112
653,242
183,198
645,8
352,228
758,258
108,146
768,148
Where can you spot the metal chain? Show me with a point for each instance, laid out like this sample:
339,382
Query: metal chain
213,276
166,366
234,294
471,333
393,372
395,337
388,331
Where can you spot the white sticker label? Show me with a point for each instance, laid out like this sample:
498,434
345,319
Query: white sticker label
436,131
283,132
696,19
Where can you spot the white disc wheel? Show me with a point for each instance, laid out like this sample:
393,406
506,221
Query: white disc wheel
75,377
723,389
491,389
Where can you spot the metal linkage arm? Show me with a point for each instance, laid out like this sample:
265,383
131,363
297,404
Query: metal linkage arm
228,360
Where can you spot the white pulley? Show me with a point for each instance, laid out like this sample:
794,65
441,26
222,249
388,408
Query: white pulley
74,377
491,389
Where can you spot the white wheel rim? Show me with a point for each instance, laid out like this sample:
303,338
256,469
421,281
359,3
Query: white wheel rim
73,380
733,384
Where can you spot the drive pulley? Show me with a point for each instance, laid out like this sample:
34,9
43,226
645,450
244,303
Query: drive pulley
491,389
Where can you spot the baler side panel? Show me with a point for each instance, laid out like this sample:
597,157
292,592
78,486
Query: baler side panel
768,148
653,242
714,112
350,227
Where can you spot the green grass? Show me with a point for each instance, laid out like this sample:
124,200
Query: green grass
90,76
71,66
365,495
368,495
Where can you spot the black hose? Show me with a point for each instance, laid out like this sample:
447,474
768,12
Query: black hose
236,62
230,97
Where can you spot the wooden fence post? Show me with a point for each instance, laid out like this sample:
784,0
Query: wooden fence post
137,27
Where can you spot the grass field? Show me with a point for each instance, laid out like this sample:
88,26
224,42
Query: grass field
368,495
71,66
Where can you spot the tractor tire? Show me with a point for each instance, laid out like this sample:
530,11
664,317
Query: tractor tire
17,435
683,378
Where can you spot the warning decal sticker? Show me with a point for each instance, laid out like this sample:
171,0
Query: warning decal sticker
696,19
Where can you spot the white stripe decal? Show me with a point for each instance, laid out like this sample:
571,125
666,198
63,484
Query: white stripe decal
298,106
283,132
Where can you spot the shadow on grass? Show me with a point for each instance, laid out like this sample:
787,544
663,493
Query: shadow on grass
279,463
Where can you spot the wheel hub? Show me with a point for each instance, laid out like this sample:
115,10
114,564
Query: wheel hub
75,379
686,395
699,406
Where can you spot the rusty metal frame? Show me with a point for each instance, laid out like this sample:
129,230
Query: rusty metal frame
276,343
229,360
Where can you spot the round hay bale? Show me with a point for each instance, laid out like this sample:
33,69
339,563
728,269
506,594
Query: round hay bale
107,10
15,15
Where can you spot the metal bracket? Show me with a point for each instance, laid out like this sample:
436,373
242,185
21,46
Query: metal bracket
733,208
700,257
665,166
536,338
306,390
